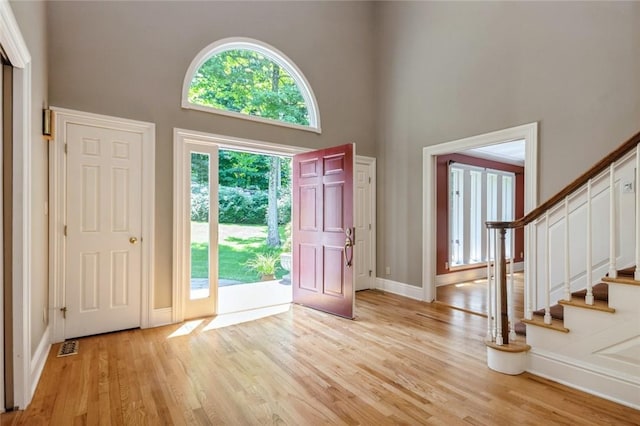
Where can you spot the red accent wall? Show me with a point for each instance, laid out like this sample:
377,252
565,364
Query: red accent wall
442,217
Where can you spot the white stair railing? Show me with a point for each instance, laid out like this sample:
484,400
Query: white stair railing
591,219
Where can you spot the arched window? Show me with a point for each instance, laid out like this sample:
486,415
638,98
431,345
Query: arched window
249,79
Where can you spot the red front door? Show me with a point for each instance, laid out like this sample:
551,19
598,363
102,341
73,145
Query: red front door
323,230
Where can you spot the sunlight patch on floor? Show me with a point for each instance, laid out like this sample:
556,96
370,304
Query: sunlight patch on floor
186,328
245,316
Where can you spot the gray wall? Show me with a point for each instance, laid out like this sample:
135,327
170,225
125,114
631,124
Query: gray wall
31,18
452,70
129,59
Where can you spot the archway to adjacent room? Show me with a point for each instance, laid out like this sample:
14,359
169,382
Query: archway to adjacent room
526,133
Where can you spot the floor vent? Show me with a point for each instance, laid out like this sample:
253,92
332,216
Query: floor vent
70,347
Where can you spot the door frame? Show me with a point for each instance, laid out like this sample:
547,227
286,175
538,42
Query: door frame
181,139
184,136
57,214
528,132
26,368
370,162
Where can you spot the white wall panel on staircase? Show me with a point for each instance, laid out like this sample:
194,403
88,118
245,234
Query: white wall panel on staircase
626,223
577,240
572,246
557,253
600,228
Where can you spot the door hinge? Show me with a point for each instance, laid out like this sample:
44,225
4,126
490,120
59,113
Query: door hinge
369,227
47,124
369,180
64,312
65,230
370,272
65,148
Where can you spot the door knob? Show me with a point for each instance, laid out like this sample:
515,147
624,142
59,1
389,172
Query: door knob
133,240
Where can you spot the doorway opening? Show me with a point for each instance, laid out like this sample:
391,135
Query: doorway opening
221,190
475,186
527,133
235,234
254,230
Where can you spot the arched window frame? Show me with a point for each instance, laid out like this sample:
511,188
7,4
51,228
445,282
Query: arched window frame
241,43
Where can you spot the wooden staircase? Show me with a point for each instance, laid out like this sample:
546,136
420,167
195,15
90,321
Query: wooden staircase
600,293
595,346
590,338
600,303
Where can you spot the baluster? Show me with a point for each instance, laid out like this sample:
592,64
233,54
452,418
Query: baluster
588,299
567,263
637,271
494,285
547,283
510,303
490,336
613,235
498,265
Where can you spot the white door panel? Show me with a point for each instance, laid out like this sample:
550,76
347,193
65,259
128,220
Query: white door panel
103,271
362,221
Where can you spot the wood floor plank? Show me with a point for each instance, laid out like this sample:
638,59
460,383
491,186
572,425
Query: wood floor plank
400,362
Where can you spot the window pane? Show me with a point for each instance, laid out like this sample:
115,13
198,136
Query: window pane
475,218
456,219
248,82
200,202
508,209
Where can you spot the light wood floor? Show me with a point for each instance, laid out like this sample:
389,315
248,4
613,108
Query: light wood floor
400,362
472,295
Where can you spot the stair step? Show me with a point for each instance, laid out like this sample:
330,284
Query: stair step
622,280
556,311
598,305
557,325
627,272
600,292
625,276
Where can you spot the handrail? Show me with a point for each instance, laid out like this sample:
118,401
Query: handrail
596,169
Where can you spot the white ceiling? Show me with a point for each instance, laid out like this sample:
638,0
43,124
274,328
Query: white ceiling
508,152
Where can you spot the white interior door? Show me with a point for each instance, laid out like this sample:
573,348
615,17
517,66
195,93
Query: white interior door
103,234
363,222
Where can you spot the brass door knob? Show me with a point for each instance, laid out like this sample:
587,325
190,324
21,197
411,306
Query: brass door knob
133,240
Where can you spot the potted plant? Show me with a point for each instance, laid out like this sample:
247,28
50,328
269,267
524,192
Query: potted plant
285,256
264,264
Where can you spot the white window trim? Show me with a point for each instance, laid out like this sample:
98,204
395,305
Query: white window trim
528,132
242,43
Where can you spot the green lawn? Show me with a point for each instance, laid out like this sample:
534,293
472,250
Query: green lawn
238,243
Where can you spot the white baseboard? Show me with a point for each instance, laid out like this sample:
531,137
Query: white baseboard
471,274
38,361
161,316
585,377
401,289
